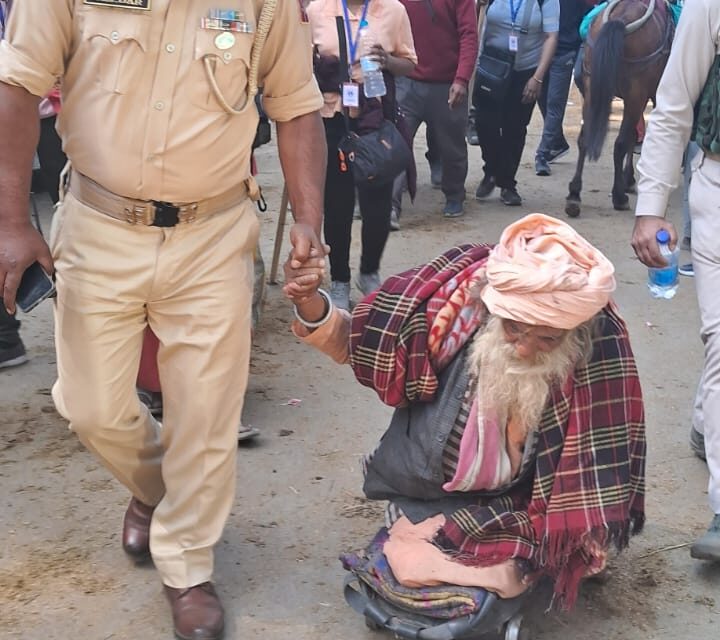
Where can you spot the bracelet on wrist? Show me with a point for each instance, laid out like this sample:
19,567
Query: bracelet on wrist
317,323
537,80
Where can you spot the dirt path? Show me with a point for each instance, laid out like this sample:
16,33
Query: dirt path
63,575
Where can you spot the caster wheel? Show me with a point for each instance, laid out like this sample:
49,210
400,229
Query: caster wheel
371,624
514,630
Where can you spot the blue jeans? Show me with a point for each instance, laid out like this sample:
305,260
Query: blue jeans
552,102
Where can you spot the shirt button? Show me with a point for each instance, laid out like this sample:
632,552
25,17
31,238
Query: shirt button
227,56
170,47
114,36
159,105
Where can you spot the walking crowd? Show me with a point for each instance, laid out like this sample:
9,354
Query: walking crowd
517,446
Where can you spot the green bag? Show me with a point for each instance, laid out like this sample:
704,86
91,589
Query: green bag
706,128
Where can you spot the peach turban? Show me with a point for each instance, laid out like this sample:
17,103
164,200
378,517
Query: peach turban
543,272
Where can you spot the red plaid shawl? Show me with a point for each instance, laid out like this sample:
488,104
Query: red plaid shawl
389,334
588,489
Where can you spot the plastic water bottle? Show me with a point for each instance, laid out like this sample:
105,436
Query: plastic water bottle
663,282
373,81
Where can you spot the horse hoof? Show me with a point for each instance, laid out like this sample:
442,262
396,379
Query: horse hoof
572,209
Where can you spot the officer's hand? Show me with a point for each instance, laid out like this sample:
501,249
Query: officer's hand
457,93
304,240
301,283
645,243
20,246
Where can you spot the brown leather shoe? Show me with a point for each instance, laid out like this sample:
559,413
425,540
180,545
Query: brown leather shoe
197,612
136,531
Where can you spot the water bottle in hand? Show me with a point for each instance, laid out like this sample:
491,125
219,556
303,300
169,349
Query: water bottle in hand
373,81
663,281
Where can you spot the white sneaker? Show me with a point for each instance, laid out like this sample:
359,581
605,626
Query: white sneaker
340,294
394,219
246,432
368,282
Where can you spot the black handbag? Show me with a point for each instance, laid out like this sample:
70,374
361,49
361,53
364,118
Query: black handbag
494,68
493,73
377,157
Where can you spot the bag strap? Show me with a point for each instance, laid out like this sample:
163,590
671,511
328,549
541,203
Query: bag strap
524,22
344,66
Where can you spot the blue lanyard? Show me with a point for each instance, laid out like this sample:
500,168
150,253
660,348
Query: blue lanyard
514,11
353,42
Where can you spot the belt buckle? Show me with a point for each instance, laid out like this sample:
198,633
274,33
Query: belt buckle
166,214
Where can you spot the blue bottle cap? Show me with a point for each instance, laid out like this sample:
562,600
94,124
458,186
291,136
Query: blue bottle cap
662,236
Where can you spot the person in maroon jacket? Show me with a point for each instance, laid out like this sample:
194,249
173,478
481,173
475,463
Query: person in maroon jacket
446,42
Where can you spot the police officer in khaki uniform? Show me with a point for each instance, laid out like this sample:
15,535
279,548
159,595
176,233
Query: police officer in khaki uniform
158,227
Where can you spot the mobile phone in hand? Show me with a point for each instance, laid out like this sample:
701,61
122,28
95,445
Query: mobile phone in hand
35,286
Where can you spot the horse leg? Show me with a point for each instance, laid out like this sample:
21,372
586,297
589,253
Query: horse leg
629,174
573,200
624,145
619,197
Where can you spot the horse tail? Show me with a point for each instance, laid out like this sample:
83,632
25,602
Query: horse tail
606,58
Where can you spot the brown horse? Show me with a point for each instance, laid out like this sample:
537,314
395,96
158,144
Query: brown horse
625,55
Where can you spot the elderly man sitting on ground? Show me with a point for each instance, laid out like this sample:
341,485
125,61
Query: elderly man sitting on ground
517,447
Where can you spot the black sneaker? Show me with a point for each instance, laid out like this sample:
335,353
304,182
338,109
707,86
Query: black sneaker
510,197
542,168
485,188
12,355
556,154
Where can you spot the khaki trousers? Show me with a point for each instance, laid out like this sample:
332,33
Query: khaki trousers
705,215
193,285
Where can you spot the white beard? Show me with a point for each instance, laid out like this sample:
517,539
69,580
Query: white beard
515,388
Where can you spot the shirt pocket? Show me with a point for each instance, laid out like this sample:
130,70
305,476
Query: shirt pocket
116,43
222,59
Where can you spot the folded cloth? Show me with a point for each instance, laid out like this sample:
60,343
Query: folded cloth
416,562
443,602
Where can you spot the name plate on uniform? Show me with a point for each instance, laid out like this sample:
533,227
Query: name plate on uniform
143,5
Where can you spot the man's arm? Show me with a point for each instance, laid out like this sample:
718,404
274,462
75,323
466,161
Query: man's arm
468,36
303,156
691,57
20,243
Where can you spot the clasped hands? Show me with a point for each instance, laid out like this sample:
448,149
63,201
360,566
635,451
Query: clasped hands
304,271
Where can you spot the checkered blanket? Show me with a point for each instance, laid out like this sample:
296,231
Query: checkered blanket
587,492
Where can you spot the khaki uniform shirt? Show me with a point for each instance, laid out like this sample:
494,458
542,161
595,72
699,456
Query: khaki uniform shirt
139,115
696,43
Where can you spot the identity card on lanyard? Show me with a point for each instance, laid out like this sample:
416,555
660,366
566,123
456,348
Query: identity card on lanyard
513,37
351,92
